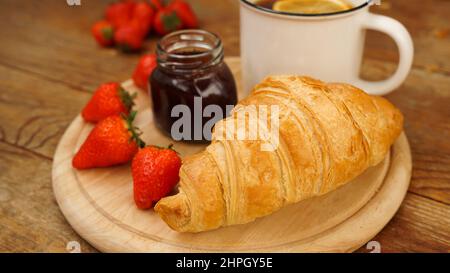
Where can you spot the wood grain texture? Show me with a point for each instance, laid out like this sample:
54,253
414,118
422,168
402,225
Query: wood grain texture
419,226
98,203
428,23
49,64
424,100
30,219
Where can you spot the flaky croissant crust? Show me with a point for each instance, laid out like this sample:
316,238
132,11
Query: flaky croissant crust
328,134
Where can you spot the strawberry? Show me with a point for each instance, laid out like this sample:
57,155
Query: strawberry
129,37
103,33
109,99
157,4
119,13
113,141
155,173
143,16
143,70
184,12
166,21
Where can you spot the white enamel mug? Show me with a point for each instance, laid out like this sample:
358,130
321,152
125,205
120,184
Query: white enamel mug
325,46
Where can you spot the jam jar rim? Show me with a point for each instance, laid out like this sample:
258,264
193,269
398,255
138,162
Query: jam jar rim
217,47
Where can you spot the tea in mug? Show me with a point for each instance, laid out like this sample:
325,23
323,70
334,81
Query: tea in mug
305,6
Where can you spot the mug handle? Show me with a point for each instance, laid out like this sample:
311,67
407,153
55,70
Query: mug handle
404,43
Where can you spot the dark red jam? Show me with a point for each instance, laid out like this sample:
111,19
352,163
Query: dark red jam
191,87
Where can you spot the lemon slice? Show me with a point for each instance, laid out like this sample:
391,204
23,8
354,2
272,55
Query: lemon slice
311,6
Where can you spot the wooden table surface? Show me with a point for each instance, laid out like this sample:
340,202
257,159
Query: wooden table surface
49,66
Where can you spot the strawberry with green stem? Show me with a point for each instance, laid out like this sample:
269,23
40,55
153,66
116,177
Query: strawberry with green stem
184,12
155,172
166,21
103,33
109,99
113,141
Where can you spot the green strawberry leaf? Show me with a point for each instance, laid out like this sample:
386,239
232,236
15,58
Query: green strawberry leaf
169,147
108,33
134,131
127,98
171,22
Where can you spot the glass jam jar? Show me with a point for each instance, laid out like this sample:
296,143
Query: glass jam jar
190,76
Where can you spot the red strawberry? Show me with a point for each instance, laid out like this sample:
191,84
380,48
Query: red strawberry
166,21
103,33
143,70
184,12
109,99
113,141
156,4
119,13
155,173
143,16
129,37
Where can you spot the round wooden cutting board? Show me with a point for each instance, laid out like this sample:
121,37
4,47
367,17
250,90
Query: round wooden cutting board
99,204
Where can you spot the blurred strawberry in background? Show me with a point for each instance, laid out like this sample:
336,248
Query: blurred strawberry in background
184,12
156,4
129,37
127,23
143,70
103,33
143,17
166,21
119,13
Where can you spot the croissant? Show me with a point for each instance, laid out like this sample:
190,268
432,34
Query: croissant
327,135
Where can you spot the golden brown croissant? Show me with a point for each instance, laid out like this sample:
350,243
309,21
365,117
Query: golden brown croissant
328,134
